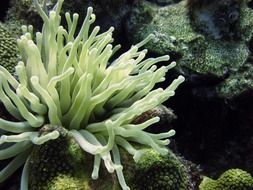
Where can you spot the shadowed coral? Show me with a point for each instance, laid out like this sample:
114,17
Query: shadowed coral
233,179
23,11
66,78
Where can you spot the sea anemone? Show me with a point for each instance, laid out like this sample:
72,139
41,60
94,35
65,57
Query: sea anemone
67,78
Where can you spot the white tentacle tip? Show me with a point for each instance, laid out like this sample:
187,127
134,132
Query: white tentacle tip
90,9
75,16
173,64
94,176
34,80
3,139
172,132
151,36
181,79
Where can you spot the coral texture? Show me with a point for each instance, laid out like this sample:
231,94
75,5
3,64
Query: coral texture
233,179
8,49
209,39
66,78
58,165
157,172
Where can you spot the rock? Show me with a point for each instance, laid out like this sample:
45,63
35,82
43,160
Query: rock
210,42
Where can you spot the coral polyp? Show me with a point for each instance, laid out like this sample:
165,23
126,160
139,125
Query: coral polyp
68,78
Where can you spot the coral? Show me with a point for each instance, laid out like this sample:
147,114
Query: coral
69,80
170,25
209,39
65,182
238,84
8,49
233,179
59,157
210,57
246,23
161,172
152,171
57,165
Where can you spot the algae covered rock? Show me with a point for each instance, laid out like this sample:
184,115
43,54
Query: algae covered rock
209,40
169,24
233,179
215,59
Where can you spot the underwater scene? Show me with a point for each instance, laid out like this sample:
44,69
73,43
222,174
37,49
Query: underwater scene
126,95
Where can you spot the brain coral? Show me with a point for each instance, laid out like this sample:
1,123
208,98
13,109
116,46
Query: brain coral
67,78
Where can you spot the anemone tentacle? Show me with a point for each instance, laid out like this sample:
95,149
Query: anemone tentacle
67,78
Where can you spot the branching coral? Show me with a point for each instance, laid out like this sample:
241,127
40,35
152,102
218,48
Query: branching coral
66,79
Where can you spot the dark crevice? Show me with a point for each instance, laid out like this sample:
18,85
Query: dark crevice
250,4
164,2
4,8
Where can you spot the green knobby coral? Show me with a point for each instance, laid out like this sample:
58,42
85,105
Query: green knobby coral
8,49
66,78
58,165
233,179
154,171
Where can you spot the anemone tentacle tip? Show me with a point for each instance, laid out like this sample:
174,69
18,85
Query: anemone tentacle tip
71,77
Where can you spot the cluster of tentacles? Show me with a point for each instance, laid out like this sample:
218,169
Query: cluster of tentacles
66,78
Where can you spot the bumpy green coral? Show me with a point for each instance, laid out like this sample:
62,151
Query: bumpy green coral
51,162
66,182
57,161
160,172
233,179
56,167
61,165
8,49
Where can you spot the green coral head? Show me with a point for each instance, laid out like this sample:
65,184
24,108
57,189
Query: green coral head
68,78
8,48
232,179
